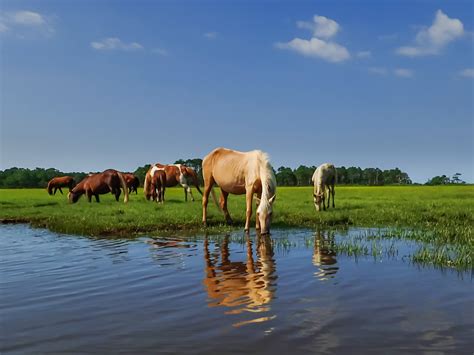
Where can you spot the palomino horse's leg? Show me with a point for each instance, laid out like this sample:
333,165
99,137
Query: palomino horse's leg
248,214
257,221
205,198
329,194
61,191
223,202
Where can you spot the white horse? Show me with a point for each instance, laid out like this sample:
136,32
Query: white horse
324,177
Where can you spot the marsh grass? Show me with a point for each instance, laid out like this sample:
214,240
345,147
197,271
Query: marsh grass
439,217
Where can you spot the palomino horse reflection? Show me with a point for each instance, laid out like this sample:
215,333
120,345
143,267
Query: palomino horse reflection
98,184
324,257
242,286
175,174
58,182
324,177
240,173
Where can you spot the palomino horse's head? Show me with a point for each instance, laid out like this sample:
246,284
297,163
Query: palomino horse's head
265,214
318,198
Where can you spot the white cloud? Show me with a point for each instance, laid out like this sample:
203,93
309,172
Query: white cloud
25,23
113,43
315,47
318,46
467,73
160,51
210,35
432,40
364,54
321,26
28,18
404,73
378,70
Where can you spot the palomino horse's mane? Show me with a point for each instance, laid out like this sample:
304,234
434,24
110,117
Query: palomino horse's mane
267,178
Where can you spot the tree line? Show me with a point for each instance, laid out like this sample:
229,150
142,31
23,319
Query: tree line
301,176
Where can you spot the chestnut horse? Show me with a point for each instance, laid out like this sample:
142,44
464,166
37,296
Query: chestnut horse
58,182
240,173
175,174
98,184
158,185
132,182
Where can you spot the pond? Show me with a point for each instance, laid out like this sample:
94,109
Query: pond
224,294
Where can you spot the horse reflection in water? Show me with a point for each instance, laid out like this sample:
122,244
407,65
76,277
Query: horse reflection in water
242,286
324,256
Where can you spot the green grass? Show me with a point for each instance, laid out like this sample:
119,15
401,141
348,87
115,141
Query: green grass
440,217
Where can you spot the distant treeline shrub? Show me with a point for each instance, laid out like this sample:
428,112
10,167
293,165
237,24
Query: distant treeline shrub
301,176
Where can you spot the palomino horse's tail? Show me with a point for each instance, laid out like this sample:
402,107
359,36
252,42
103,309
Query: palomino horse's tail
124,186
214,197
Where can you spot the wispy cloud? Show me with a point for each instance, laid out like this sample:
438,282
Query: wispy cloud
403,73
24,23
114,43
210,35
160,51
432,40
319,46
364,54
467,73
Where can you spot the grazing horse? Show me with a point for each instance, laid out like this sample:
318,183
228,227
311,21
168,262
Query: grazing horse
98,184
324,177
132,182
58,182
240,173
175,174
158,185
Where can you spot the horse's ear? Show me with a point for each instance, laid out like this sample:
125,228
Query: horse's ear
271,200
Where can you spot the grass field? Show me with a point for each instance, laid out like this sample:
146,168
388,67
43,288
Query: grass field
442,216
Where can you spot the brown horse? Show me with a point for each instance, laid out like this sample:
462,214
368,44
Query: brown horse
58,182
240,173
132,182
98,184
158,185
175,174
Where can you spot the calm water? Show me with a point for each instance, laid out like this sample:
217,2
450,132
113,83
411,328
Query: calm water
61,293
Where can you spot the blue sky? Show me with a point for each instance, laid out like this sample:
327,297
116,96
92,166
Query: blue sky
91,85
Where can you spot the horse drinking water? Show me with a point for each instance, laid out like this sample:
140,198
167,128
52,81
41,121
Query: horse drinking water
240,173
98,184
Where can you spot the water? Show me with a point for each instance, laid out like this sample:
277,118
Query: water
61,293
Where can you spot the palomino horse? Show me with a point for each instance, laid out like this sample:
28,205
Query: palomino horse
58,182
98,184
158,185
324,177
244,286
240,173
132,182
175,174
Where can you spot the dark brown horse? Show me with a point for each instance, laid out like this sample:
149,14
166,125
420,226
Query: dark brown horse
98,184
175,174
132,182
58,182
158,185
